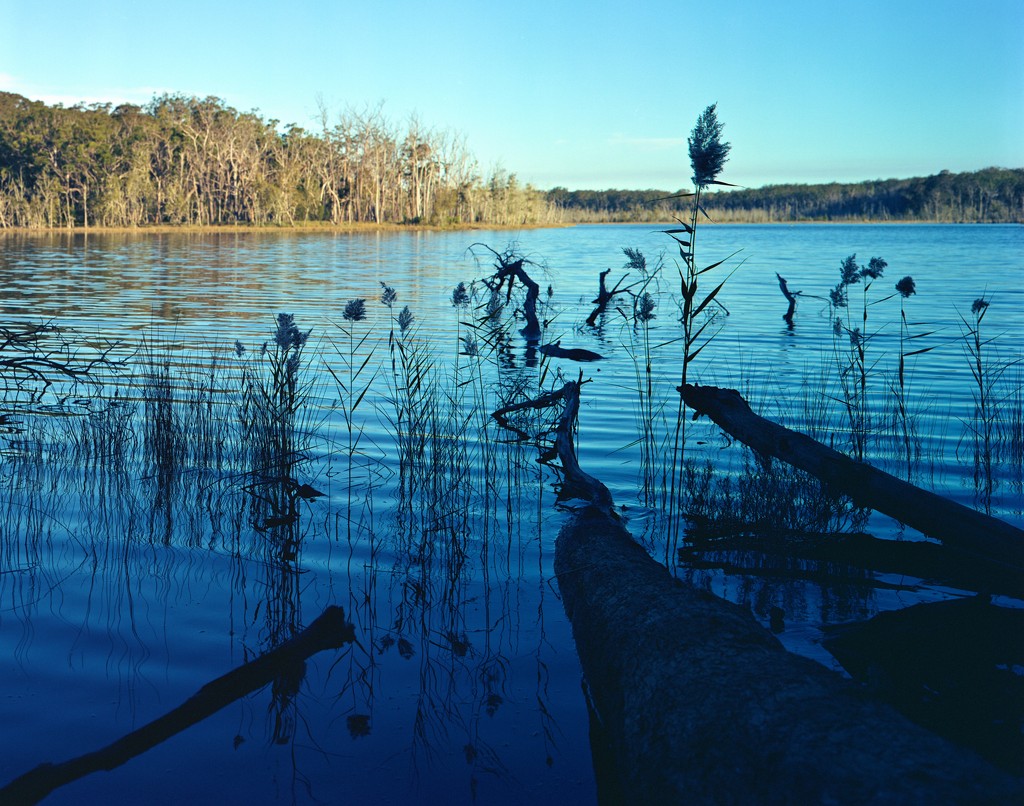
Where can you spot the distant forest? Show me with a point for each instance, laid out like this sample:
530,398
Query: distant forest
993,195
189,161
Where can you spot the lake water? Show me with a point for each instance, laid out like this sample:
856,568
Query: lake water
132,574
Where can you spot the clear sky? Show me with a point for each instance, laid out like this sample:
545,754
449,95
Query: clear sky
590,94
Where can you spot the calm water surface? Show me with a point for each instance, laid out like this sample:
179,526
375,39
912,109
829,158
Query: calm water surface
123,591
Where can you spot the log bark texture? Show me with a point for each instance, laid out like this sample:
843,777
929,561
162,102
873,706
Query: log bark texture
695,702
955,525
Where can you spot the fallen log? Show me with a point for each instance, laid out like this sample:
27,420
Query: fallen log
694,702
328,631
691,700
955,525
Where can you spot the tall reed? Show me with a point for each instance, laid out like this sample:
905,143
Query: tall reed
708,155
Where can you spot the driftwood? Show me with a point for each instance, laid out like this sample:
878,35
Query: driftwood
955,525
691,700
329,631
510,271
790,298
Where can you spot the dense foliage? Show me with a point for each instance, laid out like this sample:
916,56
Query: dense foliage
191,161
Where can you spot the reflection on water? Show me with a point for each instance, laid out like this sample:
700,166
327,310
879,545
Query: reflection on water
198,508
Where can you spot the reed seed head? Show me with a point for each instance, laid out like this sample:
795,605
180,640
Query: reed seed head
837,296
708,153
849,271
460,296
874,268
288,334
645,310
405,319
355,310
906,287
635,259
388,295
979,305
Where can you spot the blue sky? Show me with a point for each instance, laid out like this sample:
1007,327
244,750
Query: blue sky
580,94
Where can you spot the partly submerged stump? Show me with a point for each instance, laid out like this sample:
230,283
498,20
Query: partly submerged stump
509,270
790,298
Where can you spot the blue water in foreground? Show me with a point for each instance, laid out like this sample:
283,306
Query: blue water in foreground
122,593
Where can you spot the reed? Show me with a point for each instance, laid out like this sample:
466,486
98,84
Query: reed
648,411
708,154
991,431
851,347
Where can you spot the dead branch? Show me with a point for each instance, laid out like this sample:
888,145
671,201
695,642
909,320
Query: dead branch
790,297
35,356
604,296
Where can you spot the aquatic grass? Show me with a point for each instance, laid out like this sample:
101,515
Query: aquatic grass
271,395
354,380
648,413
1011,424
851,347
763,497
990,392
904,421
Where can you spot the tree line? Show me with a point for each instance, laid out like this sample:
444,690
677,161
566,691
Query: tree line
196,161
992,195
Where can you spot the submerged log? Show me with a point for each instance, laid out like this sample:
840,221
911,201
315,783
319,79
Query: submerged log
556,350
694,702
955,525
949,666
852,557
328,631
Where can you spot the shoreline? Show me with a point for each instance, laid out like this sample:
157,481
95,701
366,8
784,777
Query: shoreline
368,228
